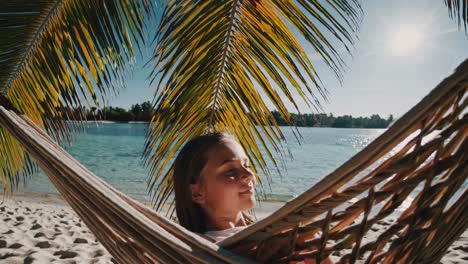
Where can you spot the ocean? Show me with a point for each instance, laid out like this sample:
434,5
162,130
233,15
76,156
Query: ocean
113,151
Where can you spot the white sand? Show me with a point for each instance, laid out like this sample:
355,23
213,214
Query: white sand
46,232
39,228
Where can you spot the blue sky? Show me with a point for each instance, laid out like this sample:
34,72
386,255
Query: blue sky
405,49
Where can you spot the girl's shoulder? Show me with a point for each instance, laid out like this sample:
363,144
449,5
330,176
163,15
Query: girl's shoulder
218,235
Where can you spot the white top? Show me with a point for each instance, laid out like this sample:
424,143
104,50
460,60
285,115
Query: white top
219,235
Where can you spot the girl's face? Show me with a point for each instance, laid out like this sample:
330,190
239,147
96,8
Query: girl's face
227,184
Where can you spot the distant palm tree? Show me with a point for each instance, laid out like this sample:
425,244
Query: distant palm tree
215,62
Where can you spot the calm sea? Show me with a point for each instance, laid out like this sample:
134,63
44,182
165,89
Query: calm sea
113,151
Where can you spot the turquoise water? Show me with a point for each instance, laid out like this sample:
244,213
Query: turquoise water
113,152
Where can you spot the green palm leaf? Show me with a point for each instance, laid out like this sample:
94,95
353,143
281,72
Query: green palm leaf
458,10
218,63
55,55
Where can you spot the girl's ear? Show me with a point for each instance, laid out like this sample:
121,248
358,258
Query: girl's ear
197,194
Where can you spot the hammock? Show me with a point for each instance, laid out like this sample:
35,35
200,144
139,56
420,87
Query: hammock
421,160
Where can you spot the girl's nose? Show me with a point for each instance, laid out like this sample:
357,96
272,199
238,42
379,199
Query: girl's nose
247,175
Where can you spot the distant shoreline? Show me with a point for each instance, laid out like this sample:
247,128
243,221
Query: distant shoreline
110,121
144,112
147,122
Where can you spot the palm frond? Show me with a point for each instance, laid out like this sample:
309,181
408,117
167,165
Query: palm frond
219,63
458,10
56,55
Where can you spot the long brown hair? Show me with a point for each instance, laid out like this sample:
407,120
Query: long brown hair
187,169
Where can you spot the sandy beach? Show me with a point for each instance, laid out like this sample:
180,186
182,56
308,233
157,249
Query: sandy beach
42,228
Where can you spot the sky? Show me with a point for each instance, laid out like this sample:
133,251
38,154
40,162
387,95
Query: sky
405,48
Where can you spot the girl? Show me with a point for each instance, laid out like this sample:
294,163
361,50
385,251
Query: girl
214,187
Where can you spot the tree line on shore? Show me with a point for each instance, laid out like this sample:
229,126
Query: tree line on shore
324,120
144,111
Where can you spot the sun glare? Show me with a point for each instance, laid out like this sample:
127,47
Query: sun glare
406,40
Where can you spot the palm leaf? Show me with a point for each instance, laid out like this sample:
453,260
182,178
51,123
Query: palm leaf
219,63
458,10
56,54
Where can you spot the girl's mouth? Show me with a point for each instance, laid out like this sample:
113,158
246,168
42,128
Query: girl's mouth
249,191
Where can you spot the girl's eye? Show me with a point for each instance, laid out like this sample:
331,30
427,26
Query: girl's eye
231,172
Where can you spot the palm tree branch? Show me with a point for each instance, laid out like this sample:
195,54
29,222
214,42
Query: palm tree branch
56,54
458,10
224,58
36,34
218,62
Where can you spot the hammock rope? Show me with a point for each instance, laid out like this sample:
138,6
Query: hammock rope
421,160
128,230
414,174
